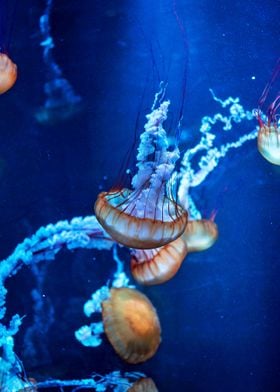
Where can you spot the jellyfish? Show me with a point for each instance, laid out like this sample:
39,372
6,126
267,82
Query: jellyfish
269,130
8,70
156,266
145,217
200,234
131,324
143,385
269,133
8,73
61,101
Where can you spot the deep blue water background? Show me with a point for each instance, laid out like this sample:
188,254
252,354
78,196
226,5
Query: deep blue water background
220,315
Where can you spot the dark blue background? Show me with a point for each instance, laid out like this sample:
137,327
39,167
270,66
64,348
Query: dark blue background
220,315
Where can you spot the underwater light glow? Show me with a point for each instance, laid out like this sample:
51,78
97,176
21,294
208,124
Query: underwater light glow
71,318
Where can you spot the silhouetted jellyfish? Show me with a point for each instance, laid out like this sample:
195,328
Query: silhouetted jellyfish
143,385
200,234
61,102
8,73
156,266
131,324
145,217
269,133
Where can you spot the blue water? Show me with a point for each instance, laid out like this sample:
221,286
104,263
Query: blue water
220,314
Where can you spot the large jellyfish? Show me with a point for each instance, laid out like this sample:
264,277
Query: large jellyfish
145,217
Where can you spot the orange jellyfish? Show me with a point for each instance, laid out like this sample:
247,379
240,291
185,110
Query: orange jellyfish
269,133
8,70
156,266
145,217
131,324
8,73
143,385
200,234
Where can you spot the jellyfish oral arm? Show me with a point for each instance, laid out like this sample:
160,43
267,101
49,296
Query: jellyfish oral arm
155,164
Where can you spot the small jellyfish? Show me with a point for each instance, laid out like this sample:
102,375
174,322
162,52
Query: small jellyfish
200,234
145,217
61,102
156,266
269,133
269,129
131,324
143,385
8,73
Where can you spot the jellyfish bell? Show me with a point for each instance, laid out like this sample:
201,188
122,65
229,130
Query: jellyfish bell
143,385
145,217
156,266
8,73
269,133
8,70
115,212
269,126
269,143
200,234
131,324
